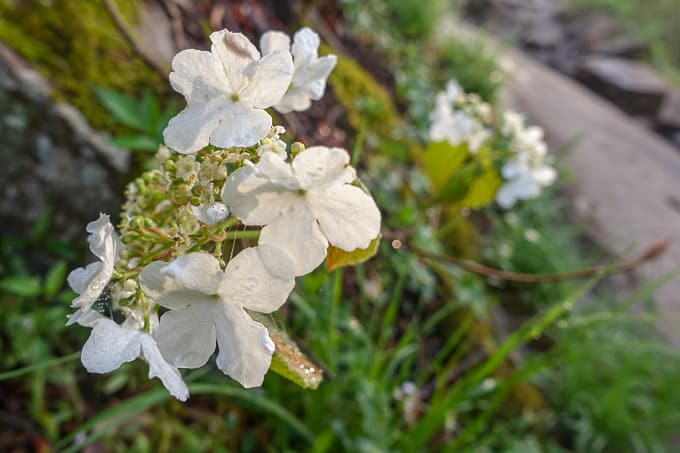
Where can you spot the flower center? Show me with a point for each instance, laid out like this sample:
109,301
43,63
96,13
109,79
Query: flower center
234,97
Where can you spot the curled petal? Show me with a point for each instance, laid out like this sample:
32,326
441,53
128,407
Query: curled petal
348,217
245,347
305,46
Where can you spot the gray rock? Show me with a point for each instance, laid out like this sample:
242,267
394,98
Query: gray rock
51,158
620,46
669,114
635,87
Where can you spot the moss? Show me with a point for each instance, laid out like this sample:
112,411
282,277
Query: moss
368,104
76,46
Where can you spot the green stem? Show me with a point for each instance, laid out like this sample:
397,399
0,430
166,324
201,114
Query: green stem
38,366
247,234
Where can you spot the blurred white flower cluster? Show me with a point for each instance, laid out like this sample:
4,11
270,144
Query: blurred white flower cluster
174,271
464,119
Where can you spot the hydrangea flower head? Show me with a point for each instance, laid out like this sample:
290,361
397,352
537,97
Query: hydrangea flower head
311,72
208,306
304,205
227,90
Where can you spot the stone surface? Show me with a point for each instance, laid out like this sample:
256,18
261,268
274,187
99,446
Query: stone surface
50,158
669,114
633,86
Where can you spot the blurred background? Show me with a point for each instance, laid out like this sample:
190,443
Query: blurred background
417,355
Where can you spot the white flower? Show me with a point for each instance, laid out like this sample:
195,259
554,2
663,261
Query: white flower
457,125
226,91
311,72
208,305
110,345
525,179
273,143
305,205
89,282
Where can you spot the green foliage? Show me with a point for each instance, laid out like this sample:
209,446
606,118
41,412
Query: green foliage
472,64
146,117
459,177
77,46
415,19
614,383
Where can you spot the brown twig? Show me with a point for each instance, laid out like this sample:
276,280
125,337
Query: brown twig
130,37
652,252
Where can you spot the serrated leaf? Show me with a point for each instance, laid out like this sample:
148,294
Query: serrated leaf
136,143
441,160
482,190
288,360
123,108
55,279
21,286
336,257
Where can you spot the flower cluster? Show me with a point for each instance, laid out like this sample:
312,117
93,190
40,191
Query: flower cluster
464,119
178,271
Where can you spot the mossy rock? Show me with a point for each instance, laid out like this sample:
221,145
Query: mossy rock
368,104
76,46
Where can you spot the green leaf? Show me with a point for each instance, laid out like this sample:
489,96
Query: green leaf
482,190
55,279
459,183
338,258
441,160
124,109
288,360
21,286
41,226
137,143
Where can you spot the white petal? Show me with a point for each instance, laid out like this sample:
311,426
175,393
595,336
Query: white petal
86,318
295,100
312,77
158,367
506,197
103,243
79,278
297,234
235,52
275,169
268,80
273,41
239,125
109,346
249,283
256,200
348,217
544,175
183,281
186,337
198,75
245,347
319,167
305,46
190,130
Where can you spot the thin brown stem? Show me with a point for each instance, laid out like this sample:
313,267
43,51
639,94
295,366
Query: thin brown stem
651,253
